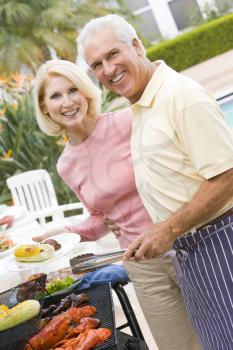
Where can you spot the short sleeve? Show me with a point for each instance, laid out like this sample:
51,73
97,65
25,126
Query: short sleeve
206,138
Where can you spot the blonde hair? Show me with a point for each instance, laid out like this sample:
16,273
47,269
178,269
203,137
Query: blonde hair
72,72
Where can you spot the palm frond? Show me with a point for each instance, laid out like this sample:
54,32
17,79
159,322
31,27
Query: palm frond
18,50
15,12
64,46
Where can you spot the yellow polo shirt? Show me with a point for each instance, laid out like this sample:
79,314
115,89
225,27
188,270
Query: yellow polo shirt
179,139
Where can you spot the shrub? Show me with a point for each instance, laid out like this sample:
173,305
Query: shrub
198,45
24,147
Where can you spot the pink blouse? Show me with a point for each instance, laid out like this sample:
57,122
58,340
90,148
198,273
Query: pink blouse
100,172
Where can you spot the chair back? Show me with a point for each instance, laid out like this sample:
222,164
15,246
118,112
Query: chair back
34,191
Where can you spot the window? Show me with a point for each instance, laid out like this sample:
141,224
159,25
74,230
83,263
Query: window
183,11
135,5
148,26
224,5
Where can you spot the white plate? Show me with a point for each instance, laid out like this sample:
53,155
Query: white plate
67,240
7,251
68,289
13,210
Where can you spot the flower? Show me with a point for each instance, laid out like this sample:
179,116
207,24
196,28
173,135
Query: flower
63,141
7,155
15,105
4,81
2,111
17,81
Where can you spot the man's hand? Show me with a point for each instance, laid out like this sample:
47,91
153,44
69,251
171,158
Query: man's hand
112,226
156,241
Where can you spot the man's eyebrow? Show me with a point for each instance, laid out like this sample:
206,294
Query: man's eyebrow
93,64
105,55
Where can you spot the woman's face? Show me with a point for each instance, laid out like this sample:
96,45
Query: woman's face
64,103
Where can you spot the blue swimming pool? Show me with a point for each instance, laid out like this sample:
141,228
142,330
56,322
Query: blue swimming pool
226,104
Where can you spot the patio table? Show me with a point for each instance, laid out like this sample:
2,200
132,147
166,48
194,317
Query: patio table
23,229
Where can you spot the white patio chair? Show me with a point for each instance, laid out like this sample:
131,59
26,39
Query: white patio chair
34,191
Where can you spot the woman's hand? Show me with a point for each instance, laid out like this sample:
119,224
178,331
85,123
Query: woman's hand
112,226
50,233
7,220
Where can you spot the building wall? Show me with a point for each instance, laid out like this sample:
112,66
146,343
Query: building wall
166,18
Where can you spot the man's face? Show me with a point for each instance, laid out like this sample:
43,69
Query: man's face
117,66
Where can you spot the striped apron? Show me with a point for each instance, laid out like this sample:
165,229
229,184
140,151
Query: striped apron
204,266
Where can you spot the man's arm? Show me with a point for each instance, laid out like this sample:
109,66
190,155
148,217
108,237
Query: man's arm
211,197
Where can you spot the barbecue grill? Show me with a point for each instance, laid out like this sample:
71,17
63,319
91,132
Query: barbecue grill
101,297
16,338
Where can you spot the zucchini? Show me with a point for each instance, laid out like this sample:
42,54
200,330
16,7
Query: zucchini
20,313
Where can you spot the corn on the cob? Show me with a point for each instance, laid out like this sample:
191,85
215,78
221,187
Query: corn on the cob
20,313
34,253
27,250
4,311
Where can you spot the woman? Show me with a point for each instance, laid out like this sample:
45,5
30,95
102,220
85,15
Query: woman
96,164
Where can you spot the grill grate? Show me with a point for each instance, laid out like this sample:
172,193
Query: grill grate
101,298
16,337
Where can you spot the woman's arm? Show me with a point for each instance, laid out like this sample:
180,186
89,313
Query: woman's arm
91,229
51,232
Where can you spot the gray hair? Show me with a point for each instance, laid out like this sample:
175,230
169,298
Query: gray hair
124,31
75,74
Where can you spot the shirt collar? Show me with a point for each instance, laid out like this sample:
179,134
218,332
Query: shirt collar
161,72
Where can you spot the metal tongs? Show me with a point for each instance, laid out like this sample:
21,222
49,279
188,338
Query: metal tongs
89,262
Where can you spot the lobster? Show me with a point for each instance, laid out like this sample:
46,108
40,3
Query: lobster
85,323
58,327
86,340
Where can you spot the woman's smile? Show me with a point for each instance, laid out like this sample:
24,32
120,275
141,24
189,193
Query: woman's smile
72,113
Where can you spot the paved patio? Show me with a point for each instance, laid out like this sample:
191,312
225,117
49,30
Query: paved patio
216,74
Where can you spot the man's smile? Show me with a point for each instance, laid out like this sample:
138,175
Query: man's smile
118,78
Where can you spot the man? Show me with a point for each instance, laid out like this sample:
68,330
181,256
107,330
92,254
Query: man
183,159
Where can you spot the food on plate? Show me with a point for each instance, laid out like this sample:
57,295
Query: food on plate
34,252
57,281
59,284
53,242
35,276
5,244
18,314
58,327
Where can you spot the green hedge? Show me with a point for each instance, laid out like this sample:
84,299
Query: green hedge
198,45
